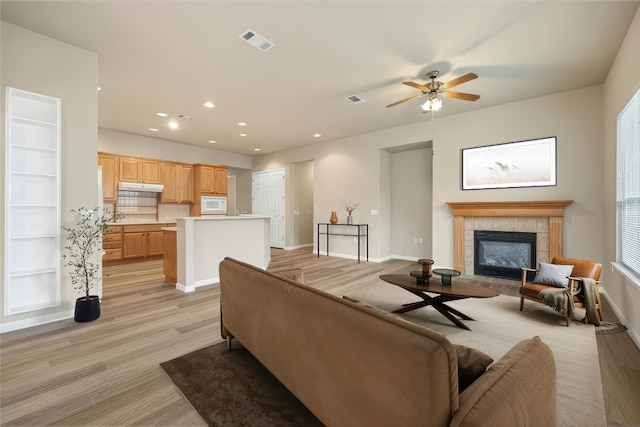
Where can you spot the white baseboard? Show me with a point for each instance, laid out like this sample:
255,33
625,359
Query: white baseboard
35,321
197,284
348,256
293,248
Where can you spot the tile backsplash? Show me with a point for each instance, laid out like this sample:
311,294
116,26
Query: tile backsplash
134,206
166,211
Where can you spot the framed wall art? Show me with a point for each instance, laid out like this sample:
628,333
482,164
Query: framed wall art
529,163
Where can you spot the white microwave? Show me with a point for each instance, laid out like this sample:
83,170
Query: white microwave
213,205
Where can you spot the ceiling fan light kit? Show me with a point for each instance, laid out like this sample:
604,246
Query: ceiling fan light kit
435,88
432,104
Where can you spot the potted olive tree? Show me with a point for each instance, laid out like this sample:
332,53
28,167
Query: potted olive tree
80,256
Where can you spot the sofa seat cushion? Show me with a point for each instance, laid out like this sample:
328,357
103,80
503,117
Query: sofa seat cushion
471,364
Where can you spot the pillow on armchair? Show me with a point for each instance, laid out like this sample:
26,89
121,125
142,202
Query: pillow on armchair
556,275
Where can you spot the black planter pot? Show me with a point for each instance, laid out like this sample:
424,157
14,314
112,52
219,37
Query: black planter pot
87,309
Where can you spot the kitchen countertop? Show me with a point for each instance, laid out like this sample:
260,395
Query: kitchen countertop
223,217
164,221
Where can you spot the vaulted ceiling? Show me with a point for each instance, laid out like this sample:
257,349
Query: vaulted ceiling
173,56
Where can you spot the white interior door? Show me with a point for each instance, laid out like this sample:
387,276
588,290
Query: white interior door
268,199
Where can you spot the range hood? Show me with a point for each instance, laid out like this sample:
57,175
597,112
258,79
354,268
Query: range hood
134,186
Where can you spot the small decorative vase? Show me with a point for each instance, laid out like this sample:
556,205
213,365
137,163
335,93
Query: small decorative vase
334,218
349,219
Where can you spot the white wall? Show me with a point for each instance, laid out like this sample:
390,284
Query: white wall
411,203
354,168
110,141
42,65
623,81
301,225
574,119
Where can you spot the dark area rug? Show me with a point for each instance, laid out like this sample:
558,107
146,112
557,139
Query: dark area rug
234,389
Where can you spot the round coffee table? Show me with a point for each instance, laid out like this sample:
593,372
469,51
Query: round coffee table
447,274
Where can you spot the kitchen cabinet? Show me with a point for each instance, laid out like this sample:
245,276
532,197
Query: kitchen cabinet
112,243
209,180
142,240
145,171
220,181
178,183
170,260
109,165
129,169
205,179
185,184
151,171
32,202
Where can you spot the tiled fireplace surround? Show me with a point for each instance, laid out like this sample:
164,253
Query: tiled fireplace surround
543,217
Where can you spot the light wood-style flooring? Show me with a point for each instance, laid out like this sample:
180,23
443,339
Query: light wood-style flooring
107,372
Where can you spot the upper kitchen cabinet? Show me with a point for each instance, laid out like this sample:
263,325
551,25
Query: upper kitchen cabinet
185,184
151,172
132,169
210,180
220,180
178,183
109,165
32,202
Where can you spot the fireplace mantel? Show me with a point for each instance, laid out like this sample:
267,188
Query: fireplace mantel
538,208
552,209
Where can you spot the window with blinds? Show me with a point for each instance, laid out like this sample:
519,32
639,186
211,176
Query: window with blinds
628,184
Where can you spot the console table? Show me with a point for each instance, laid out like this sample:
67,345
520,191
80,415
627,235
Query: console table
362,231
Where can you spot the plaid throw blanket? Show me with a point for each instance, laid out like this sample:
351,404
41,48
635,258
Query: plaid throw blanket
561,300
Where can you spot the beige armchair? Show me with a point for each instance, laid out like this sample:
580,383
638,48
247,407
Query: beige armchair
581,269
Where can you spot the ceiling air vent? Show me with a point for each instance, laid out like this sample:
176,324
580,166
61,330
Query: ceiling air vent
256,40
355,99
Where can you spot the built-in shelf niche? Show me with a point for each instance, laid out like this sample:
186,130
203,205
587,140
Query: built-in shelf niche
32,207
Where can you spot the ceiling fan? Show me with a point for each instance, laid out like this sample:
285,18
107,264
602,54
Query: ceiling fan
435,88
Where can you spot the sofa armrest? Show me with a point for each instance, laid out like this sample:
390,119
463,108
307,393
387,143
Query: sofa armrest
518,390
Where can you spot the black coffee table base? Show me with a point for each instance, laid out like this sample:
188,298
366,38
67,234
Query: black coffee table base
439,304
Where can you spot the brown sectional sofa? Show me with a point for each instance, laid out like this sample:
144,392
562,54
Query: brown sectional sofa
352,365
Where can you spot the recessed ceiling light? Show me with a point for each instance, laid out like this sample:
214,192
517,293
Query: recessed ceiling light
209,104
242,124
212,142
153,129
316,135
256,149
162,114
99,88
243,134
173,125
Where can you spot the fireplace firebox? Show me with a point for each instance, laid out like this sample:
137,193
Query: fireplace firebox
503,253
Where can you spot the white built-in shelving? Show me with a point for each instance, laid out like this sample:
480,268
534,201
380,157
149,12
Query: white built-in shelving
32,202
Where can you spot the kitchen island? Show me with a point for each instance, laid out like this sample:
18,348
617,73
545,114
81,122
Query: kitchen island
201,243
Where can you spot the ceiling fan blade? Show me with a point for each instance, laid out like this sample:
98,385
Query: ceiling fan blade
417,86
411,98
459,80
460,95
